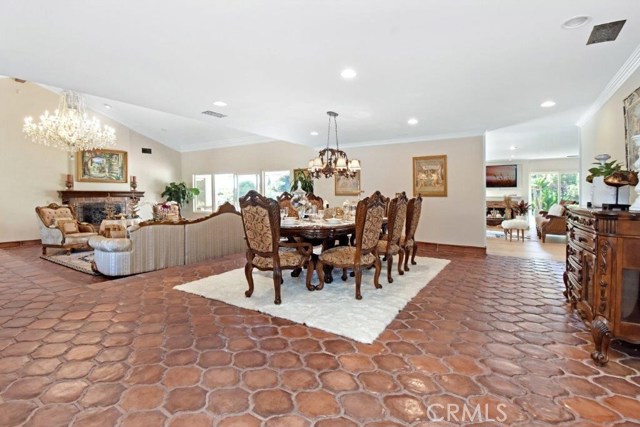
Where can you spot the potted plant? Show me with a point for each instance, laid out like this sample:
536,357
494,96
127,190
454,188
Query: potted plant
179,192
521,208
603,193
306,182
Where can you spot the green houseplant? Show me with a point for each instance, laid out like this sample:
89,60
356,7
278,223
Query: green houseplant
306,182
179,192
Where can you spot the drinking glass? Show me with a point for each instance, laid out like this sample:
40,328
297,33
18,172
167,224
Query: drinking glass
284,212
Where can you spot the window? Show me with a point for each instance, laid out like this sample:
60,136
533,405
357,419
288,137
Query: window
247,183
203,202
229,187
275,183
547,188
224,188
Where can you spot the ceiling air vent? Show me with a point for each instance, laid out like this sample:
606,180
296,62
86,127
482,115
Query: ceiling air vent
605,32
214,114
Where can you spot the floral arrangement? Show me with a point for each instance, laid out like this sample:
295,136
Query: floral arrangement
521,208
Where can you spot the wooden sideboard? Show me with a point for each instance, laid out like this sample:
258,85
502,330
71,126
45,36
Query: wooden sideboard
602,276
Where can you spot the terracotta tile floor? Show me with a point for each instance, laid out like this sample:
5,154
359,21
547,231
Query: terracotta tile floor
490,336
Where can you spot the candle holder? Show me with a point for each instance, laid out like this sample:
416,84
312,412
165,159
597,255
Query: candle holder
134,185
69,182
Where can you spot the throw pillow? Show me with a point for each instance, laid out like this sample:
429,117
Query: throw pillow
556,210
69,226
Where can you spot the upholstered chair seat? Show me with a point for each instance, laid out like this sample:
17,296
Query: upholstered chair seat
288,259
344,256
383,245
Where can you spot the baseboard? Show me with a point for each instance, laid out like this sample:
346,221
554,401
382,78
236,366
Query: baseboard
5,245
452,249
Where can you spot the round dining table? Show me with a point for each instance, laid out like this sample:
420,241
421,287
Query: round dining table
319,232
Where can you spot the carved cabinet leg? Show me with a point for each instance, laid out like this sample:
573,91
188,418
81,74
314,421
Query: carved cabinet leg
565,279
601,337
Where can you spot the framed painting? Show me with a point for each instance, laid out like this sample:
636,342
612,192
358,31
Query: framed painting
101,166
347,186
430,176
632,127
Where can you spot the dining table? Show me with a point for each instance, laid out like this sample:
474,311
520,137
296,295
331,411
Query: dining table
323,232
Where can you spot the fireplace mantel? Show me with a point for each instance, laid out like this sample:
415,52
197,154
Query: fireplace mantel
69,195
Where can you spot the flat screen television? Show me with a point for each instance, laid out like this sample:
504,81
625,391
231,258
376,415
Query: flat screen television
502,176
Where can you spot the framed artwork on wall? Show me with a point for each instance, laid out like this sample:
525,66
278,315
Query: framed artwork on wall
430,176
632,126
101,166
347,186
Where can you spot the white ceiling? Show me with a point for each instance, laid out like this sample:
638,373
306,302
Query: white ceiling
460,67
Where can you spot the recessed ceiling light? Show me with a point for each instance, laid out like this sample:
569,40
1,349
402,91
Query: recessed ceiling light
314,133
576,22
220,104
513,147
412,121
107,106
348,73
547,104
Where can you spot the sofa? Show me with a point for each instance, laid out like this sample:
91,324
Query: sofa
154,245
59,228
553,221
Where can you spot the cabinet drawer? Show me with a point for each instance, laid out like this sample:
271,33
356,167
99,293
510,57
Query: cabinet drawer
585,222
584,239
574,268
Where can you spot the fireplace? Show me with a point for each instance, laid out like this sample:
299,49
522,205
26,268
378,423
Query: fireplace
90,206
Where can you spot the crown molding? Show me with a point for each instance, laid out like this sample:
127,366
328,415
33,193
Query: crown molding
627,69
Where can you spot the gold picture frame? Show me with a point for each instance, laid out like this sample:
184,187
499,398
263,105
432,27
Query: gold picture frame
102,166
347,186
430,176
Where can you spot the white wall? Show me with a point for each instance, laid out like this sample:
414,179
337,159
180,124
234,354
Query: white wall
527,167
457,219
33,173
605,133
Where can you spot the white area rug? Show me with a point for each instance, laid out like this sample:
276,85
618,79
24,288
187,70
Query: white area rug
333,309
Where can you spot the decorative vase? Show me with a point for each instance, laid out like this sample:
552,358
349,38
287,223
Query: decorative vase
603,193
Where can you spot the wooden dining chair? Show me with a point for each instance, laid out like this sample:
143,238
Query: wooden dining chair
316,201
407,242
284,201
369,217
389,244
261,220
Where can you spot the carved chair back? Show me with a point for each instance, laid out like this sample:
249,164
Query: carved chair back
315,200
261,221
369,217
52,212
284,201
396,215
414,208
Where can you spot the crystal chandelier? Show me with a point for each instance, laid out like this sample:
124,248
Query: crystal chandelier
333,161
69,128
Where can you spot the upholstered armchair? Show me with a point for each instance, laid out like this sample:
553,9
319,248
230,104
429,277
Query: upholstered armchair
408,242
369,217
389,244
553,221
265,251
59,228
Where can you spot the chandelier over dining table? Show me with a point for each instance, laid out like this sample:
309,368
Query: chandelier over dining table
69,128
333,161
